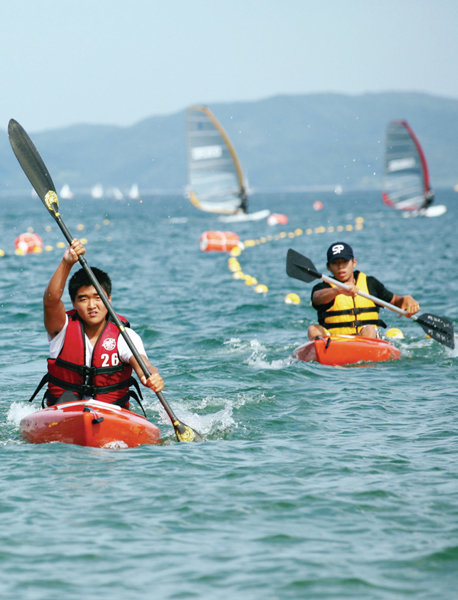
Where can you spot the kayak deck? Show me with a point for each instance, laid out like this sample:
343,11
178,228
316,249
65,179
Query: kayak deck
89,423
346,349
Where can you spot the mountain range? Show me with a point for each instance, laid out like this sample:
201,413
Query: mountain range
283,142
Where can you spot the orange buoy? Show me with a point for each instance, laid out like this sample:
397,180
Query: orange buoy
28,243
317,205
277,219
219,241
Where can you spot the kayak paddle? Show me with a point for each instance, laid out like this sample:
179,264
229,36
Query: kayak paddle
33,166
439,328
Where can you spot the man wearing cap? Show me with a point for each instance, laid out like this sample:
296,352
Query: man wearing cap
342,312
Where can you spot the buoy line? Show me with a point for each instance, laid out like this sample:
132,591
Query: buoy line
260,288
30,242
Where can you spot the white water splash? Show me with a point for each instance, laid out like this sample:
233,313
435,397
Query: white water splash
17,411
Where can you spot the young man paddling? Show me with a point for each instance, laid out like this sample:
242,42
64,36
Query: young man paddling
342,312
88,354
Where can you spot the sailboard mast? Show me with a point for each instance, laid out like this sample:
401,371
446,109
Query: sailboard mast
216,181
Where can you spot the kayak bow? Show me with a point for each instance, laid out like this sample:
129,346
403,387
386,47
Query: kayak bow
89,423
345,350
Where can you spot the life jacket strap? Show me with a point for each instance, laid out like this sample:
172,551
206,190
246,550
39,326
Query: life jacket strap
44,380
356,323
87,372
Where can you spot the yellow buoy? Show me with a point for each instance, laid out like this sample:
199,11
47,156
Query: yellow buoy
236,251
2,252
249,280
80,227
261,288
292,298
394,334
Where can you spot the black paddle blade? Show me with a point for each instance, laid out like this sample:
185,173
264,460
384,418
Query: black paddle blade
30,160
438,328
300,267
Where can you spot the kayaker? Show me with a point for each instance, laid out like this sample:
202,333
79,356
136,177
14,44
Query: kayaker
88,355
342,312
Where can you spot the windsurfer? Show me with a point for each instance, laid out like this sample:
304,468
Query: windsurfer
342,312
88,356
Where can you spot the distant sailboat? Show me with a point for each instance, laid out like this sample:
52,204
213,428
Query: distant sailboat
116,193
216,181
65,192
406,184
134,193
97,191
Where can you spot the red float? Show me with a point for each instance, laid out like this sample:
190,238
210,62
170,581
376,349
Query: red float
219,241
277,219
28,243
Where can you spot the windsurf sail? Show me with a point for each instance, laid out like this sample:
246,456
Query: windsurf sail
216,181
406,183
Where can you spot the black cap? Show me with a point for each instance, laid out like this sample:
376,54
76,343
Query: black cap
339,250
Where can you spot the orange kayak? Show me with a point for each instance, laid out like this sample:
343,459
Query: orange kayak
346,349
89,423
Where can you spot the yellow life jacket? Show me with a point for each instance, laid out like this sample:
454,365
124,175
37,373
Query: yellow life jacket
348,315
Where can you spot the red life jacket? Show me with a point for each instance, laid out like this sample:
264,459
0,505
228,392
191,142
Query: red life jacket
107,379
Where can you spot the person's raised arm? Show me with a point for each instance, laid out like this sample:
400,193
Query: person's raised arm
54,308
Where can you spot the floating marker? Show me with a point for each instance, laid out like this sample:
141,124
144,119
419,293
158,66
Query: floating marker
394,334
261,289
292,298
317,205
28,243
277,219
249,280
218,241
236,251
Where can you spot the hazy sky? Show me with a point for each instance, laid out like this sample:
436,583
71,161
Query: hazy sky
117,62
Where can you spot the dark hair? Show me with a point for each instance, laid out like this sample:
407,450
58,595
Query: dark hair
82,279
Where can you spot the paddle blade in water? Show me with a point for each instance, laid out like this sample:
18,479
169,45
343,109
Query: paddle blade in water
184,433
30,160
300,267
438,328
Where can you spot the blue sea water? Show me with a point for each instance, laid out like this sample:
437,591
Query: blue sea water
312,481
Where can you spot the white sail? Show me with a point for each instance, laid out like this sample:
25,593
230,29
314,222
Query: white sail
134,193
97,191
65,192
216,182
406,178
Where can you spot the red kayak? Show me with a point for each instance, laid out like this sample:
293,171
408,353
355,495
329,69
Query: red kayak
345,350
89,423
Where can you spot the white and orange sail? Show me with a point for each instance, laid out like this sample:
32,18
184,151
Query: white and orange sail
216,181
